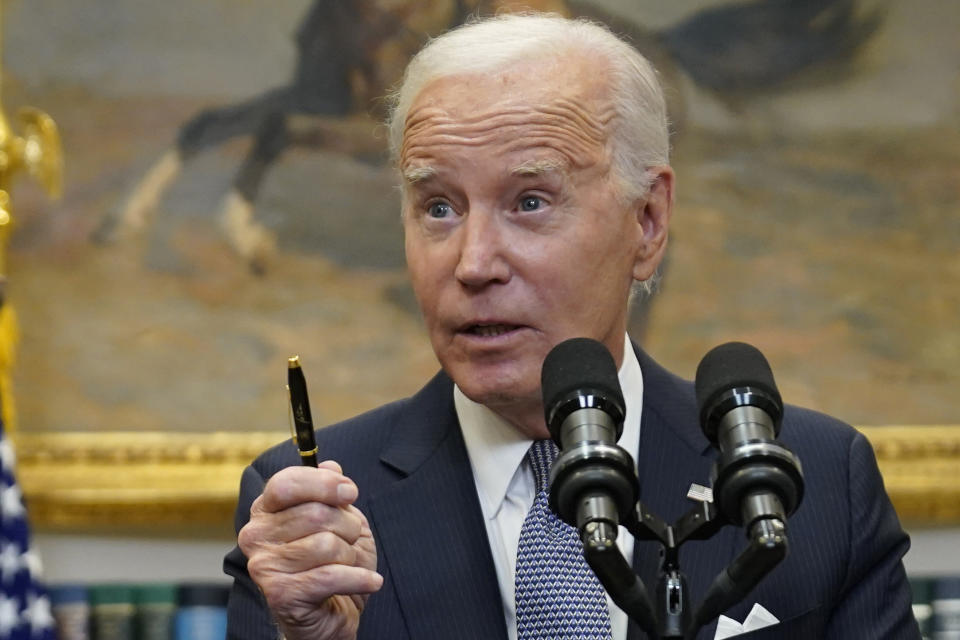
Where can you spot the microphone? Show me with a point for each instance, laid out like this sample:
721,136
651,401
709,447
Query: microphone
756,477
592,483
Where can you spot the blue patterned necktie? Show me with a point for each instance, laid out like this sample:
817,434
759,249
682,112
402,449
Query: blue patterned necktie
557,594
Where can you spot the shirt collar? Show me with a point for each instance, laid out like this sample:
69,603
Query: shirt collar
497,449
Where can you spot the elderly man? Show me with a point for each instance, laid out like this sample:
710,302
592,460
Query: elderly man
536,193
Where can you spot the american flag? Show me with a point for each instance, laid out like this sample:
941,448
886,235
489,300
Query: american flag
24,606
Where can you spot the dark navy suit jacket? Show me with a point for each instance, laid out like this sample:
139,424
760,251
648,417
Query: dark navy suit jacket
843,578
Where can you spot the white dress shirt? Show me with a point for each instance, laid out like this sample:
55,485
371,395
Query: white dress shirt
506,487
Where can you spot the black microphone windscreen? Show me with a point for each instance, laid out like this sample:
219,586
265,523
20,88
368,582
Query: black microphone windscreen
731,365
579,363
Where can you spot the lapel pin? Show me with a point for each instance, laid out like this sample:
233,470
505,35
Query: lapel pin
700,493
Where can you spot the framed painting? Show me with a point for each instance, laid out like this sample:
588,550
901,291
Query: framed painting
228,202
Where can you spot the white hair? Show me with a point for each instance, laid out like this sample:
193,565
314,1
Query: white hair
638,137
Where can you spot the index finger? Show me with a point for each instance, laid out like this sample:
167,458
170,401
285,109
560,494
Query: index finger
295,485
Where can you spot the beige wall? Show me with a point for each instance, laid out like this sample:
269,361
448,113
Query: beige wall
72,558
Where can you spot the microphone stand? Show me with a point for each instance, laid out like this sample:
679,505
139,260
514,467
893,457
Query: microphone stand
672,617
757,482
757,485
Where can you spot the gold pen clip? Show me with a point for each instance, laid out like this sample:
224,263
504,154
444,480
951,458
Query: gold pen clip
293,426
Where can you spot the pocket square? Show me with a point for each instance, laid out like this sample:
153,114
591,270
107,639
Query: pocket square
758,618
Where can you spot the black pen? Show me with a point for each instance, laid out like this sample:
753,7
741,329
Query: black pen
300,407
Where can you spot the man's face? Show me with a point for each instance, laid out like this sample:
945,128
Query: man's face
515,237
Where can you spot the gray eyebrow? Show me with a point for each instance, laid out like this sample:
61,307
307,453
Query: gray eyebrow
533,168
416,175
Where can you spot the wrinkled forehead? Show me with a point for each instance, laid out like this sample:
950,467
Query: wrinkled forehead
563,105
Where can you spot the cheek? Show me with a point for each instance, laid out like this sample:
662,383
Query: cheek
413,247
589,281
427,275
418,277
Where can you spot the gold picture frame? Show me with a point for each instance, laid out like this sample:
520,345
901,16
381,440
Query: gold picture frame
169,482
828,182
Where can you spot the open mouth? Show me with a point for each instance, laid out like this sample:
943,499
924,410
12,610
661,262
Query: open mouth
490,330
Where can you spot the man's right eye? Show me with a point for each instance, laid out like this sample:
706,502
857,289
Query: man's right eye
439,210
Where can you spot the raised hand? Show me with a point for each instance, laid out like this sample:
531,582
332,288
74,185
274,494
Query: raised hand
311,552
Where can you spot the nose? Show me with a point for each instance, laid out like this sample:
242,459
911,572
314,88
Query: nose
483,252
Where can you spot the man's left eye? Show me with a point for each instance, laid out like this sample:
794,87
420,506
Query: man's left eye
530,203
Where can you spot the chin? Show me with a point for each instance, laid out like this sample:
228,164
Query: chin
495,387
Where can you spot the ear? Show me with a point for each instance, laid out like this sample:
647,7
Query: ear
653,217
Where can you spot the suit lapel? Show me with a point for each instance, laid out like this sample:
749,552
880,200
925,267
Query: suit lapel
441,562
673,454
432,533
